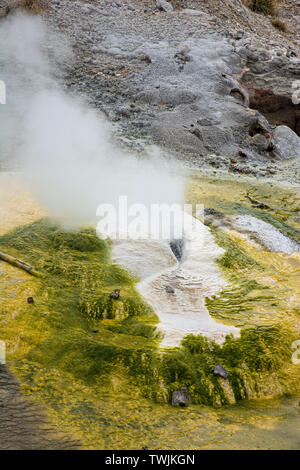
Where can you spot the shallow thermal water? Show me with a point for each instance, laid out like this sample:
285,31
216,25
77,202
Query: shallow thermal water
181,311
259,424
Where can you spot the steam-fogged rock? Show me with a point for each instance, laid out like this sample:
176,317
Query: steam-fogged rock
195,81
63,145
4,8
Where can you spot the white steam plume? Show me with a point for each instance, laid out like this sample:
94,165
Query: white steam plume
64,147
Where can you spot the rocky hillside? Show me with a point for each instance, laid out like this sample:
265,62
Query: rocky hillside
211,80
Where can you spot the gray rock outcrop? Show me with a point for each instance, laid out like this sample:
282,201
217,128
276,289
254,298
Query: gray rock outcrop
164,5
220,371
209,92
286,143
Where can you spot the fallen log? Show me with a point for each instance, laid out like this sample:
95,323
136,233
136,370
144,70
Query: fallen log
258,204
20,264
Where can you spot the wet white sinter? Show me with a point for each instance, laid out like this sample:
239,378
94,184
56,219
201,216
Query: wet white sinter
195,277
265,234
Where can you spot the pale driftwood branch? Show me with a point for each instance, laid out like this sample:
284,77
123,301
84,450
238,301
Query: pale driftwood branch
20,264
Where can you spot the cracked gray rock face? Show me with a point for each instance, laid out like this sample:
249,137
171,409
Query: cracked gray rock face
272,77
174,80
181,81
200,107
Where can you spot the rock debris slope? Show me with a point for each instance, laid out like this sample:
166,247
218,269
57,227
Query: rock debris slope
204,79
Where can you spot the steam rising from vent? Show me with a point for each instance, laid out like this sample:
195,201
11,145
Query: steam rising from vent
64,147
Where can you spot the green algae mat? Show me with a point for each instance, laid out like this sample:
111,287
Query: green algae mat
95,364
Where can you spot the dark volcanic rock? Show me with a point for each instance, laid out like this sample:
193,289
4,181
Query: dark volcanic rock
170,290
177,247
115,294
209,211
220,371
181,397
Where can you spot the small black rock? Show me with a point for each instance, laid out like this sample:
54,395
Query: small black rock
242,154
213,212
115,294
30,300
170,290
95,331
